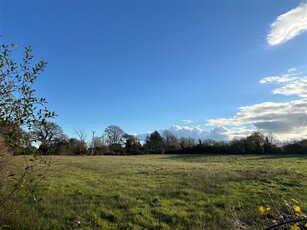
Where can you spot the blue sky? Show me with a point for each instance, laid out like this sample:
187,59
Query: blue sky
189,66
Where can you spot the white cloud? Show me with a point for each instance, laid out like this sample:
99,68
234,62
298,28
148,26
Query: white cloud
267,112
240,132
186,121
292,70
296,87
220,133
287,120
291,83
288,25
195,132
291,75
186,131
277,79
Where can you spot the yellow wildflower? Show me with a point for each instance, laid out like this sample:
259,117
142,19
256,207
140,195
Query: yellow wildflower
296,208
263,210
295,227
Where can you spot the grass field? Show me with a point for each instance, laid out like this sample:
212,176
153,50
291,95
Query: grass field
162,192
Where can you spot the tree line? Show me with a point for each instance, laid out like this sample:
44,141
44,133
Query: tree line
49,138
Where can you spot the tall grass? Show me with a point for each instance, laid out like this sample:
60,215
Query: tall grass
161,192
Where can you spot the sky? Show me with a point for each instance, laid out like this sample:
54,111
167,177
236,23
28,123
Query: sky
206,69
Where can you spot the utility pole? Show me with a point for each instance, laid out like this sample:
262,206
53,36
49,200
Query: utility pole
93,142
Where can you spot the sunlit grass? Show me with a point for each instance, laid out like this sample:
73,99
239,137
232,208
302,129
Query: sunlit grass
161,192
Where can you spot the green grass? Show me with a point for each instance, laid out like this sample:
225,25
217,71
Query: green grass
161,192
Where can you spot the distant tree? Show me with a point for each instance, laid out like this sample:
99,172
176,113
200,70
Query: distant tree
116,149
255,143
132,144
271,139
209,142
155,143
81,146
270,145
304,143
47,133
98,145
237,146
114,135
267,145
208,146
98,142
60,146
186,142
81,133
170,140
298,147
75,147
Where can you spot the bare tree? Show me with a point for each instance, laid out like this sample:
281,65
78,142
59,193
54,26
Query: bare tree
186,142
97,142
82,136
114,135
170,140
271,138
81,133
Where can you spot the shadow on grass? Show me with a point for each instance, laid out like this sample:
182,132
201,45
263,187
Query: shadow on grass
271,157
247,157
188,157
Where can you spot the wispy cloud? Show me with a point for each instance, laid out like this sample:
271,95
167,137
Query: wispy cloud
186,121
277,79
285,119
288,25
291,83
296,87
